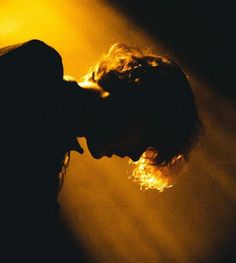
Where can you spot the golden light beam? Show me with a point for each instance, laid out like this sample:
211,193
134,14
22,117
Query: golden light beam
113,220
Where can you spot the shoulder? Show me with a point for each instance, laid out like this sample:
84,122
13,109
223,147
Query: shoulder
31,54
28,46
36,43
41,56
40,46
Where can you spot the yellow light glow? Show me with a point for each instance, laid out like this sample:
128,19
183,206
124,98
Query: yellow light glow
150,176
8,25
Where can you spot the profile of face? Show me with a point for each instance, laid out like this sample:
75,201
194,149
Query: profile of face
149,104
122,146
115,132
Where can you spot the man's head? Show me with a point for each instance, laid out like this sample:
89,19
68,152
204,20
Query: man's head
147,103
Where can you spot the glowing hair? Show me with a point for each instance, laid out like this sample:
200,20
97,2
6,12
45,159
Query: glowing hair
167,110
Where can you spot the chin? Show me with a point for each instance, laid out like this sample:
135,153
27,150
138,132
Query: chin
97,155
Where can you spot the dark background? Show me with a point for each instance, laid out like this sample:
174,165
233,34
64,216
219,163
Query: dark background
110,218
200,32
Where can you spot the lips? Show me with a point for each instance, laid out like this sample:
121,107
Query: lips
120,154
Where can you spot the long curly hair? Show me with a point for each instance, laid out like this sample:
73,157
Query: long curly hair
166,105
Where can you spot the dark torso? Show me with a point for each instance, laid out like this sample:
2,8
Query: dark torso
34,142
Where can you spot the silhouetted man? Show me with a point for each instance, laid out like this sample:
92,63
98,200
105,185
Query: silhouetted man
130,103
